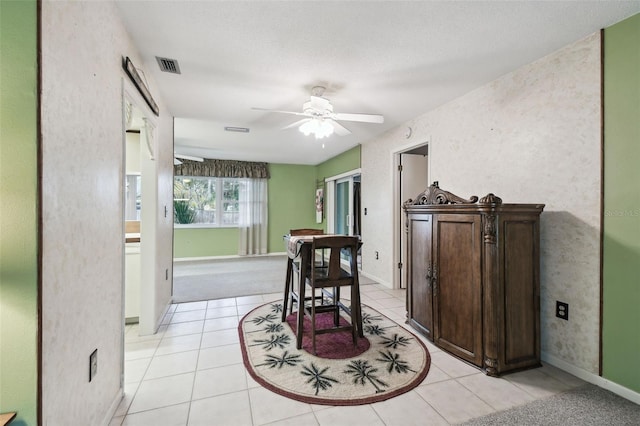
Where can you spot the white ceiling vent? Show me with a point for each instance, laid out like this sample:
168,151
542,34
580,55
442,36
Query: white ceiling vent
168,65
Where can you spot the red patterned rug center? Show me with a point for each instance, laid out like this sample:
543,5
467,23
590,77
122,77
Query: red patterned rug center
329,345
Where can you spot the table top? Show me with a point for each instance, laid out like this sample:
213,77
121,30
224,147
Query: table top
296,242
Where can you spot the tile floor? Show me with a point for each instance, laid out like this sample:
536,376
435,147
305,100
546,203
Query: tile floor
191,373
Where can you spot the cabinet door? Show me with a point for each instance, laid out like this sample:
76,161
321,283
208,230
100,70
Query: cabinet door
419,297
457,282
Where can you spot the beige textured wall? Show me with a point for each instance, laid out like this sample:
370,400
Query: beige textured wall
531,136
82,207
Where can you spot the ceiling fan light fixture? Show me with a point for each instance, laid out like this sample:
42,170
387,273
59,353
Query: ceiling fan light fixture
318,127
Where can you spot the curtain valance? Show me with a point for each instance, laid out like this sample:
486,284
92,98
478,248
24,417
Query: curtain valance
222,168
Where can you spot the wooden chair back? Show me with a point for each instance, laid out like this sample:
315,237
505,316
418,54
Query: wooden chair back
336,244
305,231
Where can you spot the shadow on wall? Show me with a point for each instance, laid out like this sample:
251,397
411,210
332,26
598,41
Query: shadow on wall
570,273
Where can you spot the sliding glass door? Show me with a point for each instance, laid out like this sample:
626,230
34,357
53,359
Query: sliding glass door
343,207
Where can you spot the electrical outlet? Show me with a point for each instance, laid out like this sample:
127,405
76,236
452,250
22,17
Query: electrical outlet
93,364
562,310
376,255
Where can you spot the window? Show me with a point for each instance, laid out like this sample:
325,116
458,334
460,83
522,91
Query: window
206,201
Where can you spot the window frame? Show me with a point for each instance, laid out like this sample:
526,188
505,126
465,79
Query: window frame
219,203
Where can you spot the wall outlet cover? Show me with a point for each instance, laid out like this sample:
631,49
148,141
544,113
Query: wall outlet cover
562,310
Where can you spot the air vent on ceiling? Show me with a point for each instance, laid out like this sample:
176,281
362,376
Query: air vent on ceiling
168,65
237,129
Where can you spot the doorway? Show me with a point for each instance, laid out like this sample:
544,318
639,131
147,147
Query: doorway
139,190
411,179
342,202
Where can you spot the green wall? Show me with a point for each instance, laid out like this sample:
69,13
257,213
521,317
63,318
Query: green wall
18,210
205,242
291,205
621,249
292,201
348,160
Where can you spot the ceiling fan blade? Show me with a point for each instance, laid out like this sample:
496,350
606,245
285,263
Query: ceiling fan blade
188,157
296,124
282,112
338,128
365,118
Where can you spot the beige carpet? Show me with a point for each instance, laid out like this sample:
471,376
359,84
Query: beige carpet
222,278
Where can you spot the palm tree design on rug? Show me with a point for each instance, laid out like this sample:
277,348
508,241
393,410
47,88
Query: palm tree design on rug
273,328
276,307
367,318
364,373
395,341
317,378
262,319
394,363
280,341
286,359
374,330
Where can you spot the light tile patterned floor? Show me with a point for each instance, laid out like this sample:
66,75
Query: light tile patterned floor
191,373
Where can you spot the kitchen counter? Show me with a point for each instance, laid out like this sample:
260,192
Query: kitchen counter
132,237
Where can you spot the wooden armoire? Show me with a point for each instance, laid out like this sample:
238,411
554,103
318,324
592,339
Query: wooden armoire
473,281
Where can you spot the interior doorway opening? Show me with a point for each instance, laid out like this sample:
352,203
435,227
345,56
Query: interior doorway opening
411,177
139,190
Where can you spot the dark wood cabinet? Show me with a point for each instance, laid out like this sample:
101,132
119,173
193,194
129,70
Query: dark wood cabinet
473,278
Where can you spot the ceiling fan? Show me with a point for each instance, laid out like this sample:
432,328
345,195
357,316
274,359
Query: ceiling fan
321,120
177,157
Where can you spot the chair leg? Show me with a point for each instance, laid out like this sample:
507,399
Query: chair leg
356,306
313,320
293,289
336,299
355,328
287,290
301,298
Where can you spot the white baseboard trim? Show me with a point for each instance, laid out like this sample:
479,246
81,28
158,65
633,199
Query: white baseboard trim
113,407
592,378
376,279
229,257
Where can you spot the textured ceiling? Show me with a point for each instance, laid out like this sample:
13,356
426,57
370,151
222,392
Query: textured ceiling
398,59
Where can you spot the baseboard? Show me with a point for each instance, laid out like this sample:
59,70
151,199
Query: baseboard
594,379
228,257
113,407
164,313
376,279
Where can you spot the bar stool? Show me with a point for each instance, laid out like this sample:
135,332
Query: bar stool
293,267
334,277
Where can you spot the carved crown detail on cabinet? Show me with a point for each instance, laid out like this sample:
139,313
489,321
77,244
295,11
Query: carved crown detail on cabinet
473,277
435,195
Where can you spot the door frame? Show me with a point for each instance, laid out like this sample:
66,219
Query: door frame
330,184
131,96
399,274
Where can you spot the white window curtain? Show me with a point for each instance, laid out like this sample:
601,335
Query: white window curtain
253,217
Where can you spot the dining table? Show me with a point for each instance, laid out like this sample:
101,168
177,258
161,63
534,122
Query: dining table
299,248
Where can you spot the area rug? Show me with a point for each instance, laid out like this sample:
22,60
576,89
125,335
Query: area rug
387,362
